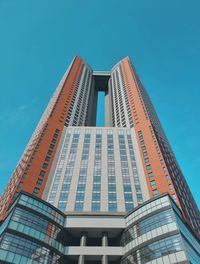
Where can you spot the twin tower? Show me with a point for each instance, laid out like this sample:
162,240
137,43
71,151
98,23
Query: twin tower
112,194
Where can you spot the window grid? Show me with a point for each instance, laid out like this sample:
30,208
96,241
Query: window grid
25,250
96,192
112,196
134,170
128,197
146,225
62,203
155,250
80,193
59,170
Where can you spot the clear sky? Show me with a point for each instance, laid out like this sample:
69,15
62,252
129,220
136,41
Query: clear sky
39,38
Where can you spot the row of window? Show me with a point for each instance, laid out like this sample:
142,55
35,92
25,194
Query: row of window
128,197
25,222
146,225
134,170
68,157
79,105
57,176
62,203
112,195
180,184
44,166
121,113
155,250
80,192
41,208
46,163
148,165
14,249
171,188
96,191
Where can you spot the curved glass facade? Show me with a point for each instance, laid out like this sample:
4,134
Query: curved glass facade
15,249
154,250
30,233
35,232
41,208
36,227
142,227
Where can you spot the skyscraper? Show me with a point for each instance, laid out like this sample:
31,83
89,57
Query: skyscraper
96,178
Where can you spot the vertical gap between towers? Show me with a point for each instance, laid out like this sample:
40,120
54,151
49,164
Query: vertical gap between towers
100,120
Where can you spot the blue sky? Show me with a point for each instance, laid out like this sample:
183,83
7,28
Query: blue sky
38,39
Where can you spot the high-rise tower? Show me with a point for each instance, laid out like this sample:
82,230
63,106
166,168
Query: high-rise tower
88,172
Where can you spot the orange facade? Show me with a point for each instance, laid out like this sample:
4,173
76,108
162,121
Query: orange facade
145,135
159,178
40,152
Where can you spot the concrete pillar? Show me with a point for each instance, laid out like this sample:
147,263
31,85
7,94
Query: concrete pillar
138,257
104,259
104,241
83,243
81,259
83,240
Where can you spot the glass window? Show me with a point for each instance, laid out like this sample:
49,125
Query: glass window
41,208
145,153
112,207
125,172
97,172
155,193
19,186
82,174
45,165
39,182
29,251
150,174
47,158
24,176
148,167
63,198
167,177
153,183
42,173
36,190
156,250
